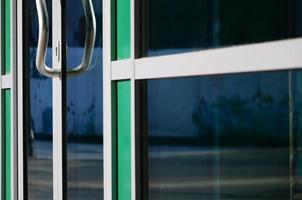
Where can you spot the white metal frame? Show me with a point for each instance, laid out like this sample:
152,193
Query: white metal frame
107,101
15,80
267,56
14,111
278,55
57,92
20,99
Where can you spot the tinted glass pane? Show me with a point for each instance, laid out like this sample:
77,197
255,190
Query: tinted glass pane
225,137
39,112
84,108
178,26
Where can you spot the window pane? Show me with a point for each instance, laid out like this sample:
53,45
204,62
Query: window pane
84,108
177,26
38,109
225,136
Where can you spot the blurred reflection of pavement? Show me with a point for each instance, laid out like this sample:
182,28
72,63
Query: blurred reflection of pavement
243,173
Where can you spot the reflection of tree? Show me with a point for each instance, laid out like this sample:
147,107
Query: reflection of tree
90,114
78,124
200,119
262,99
258,120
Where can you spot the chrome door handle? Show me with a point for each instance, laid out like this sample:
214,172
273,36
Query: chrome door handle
89,41
44,34
43,41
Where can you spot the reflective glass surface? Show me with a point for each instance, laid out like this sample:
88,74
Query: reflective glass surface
174,26
225,137
84,108
39,114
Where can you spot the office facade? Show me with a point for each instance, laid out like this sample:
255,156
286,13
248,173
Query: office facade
150,99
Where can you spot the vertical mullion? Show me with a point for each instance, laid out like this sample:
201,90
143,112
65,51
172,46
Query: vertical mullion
109,44
13,99
22,101
59,103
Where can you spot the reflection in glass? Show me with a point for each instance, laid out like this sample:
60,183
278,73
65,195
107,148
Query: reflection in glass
84,109
177,26
39,130
225,137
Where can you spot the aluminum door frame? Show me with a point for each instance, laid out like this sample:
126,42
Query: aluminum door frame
59,99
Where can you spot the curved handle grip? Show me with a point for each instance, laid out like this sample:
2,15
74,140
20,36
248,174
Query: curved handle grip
43,41
89,41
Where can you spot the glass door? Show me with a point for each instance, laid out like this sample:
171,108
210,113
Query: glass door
64,158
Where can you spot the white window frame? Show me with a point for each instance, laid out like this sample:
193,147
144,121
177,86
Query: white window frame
267,56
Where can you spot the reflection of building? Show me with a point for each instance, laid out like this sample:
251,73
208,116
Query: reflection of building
84,114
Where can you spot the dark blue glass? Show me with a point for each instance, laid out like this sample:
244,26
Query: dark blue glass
225,137
174,26
84,108
38,90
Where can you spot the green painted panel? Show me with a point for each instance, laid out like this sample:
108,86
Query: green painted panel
124,140
123,29
7,37
6,145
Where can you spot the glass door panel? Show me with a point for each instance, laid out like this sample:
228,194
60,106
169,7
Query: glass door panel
84,106
38,107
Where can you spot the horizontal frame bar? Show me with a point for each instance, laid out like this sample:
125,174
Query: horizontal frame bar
278,55
6,81
122,69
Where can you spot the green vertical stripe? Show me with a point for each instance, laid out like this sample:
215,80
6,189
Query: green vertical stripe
6,145
7,36
124,140
123,29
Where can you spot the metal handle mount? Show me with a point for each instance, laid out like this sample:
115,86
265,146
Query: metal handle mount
44,34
